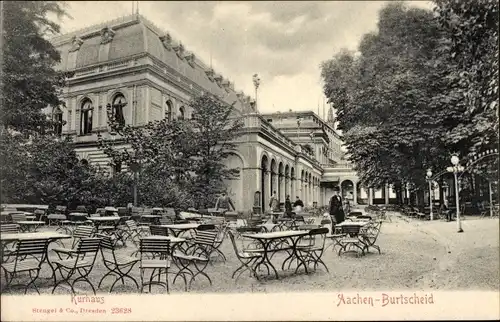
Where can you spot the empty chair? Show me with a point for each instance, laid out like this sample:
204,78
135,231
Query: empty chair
55,219
8,248
246,258
231,218
351,238
158,230
29,256
60,210
370,233
118,265
123,211
79,233
154,256
79,265
18,216
312,247
196,257
9,228
135,232
40,214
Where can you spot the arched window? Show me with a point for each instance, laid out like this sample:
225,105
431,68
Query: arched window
84,162
86,117
119,102
182,113
57,118
168,111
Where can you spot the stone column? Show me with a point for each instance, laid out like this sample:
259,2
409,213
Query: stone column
267,191
251,184
386,193
282,189
301,191
286,190
271,183
275,185
370,196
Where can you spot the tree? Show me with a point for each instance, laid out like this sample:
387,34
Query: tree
384,96
29,81
36,166
214,131
470,42
47,171
181,161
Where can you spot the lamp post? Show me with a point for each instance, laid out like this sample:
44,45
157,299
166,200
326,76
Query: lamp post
429,178
445,193
256,84
456,168
135,167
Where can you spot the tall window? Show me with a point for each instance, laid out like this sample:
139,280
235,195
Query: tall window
118,104
57,118
86,117
168,111
182,113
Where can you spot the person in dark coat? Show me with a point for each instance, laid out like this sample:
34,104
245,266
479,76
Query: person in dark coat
288,206
224,203
336,209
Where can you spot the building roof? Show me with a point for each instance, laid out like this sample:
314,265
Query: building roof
133,35
292,114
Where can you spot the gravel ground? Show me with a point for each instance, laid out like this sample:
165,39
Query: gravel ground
415,255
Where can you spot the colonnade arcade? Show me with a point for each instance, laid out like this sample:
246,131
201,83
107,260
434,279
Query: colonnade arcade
282,178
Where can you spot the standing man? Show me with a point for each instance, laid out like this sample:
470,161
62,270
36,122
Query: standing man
274,203
336,209
298,205
288,206
224,203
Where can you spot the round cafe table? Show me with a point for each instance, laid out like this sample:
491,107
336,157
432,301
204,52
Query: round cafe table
29,225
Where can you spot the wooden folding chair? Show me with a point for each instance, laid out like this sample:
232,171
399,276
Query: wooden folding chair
81,262
246,258
29,256
118,265
78,234
154,256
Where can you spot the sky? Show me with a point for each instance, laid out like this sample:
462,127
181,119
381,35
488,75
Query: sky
283,42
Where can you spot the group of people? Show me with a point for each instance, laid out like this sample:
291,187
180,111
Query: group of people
335,209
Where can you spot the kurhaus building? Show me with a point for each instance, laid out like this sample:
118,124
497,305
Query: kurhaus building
145,75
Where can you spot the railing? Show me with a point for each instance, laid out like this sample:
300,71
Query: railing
117,65
87,71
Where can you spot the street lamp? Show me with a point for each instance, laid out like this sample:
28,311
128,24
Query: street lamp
456,168
135,167
429,178
256,83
